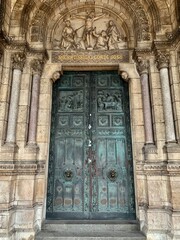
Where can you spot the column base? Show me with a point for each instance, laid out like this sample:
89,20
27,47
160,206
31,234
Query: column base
150,151
10,147
32,147
172,147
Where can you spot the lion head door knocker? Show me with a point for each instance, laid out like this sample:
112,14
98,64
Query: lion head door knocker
68,174
112,175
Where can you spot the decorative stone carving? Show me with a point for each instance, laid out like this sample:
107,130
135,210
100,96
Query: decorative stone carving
142,65
18,60
162,60
140,17
56,75
124,76
88,32
37,66
68,37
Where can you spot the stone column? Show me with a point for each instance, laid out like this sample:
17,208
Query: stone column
37,66
163,64
18,60
142,67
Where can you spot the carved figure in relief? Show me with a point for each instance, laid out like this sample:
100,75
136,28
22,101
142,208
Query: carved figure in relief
114,36
68,37
88,36
73,101
109,101
102,40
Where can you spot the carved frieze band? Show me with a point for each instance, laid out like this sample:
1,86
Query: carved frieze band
158,168
18,60
10,169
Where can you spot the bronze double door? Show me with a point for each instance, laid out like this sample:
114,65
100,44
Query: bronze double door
90,158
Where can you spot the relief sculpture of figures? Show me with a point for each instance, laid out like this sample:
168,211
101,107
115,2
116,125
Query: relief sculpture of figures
87,35
102,40
109,101
68,37
89,28
114,36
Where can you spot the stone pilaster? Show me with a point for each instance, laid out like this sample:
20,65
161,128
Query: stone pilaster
18,60
37,66
142,67
163,64
1,54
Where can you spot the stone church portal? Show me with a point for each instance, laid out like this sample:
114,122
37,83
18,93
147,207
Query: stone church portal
89,119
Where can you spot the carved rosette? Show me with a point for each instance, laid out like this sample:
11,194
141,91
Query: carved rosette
18,60
37,66
142,66
162,60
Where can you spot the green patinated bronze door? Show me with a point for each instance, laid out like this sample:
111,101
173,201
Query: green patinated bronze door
90,157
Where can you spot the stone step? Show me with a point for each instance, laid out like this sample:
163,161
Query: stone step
90,231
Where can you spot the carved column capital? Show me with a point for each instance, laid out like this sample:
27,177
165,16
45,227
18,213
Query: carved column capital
37,66
162,60
142,66
18,60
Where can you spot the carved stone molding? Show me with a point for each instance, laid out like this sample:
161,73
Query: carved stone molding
142,65
141,20
22,168
18,60
162,59
37,66
159,169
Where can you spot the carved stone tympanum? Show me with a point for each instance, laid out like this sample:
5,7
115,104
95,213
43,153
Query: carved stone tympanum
89,32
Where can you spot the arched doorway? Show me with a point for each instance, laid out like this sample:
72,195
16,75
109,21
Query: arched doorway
90,159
